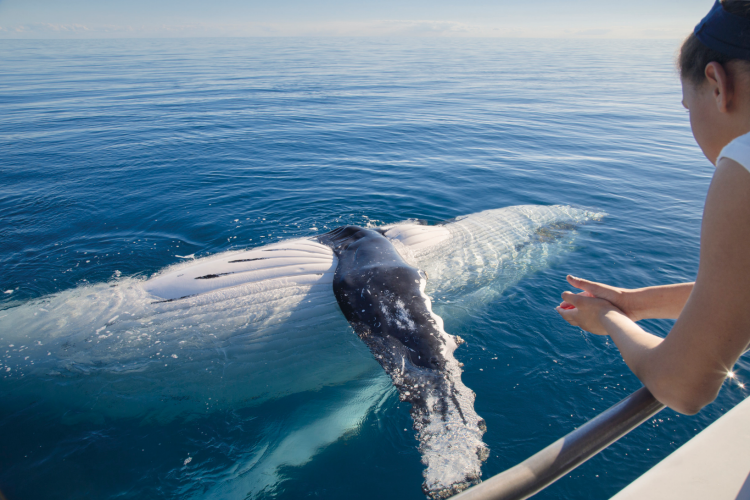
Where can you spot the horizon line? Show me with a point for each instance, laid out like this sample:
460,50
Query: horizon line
384,36
422,28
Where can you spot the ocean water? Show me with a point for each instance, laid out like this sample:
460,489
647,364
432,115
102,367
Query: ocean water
120,156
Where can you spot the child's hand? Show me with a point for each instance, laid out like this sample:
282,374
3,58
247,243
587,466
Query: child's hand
585,311
565,305
623,299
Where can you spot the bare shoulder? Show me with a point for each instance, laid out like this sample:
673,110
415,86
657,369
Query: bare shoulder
726,219
730,170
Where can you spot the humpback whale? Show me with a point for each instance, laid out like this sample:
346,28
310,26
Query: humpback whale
242,327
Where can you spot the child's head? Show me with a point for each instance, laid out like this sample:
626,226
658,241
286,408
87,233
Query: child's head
714,65
695,55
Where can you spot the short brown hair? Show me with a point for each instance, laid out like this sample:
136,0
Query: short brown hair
694,56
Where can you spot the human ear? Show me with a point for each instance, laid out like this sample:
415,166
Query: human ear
721,89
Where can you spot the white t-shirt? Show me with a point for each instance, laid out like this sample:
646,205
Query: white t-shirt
737,150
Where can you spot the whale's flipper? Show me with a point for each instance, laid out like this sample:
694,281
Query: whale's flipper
383,299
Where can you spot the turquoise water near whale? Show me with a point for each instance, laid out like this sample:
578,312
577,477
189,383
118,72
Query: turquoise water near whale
119,156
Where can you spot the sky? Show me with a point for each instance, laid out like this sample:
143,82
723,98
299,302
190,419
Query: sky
466,18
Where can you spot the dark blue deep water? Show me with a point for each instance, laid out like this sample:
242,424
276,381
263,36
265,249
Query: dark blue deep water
120,155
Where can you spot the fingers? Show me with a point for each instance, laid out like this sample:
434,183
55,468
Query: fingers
574,281
578,295
567,313
592,287
569,308
582,283
571,298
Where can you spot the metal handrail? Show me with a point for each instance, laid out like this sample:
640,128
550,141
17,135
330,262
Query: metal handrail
547,466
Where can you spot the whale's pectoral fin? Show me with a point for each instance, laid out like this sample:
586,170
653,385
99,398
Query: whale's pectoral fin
383,299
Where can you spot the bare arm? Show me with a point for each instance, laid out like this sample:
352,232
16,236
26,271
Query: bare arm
685,371
664,301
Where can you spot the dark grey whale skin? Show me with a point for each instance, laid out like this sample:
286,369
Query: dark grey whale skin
380,296
376,290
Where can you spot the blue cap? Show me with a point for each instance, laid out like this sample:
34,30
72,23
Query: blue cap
724,32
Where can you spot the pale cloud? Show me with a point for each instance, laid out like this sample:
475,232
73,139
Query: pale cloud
594,32
45,28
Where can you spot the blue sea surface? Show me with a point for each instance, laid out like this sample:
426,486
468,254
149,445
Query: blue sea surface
116,156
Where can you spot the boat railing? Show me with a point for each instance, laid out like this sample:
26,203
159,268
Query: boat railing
550,464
